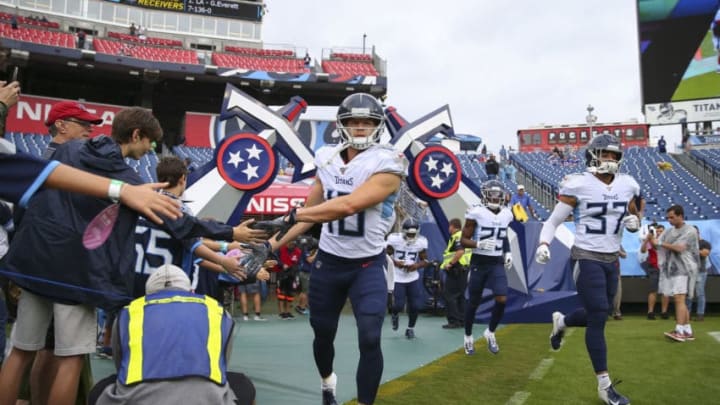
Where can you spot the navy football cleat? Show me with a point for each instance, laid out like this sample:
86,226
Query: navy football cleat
610,395
557,334
410,333
395,321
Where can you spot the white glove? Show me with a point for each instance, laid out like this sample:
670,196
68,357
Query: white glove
542,254
508,260
486,244
631,222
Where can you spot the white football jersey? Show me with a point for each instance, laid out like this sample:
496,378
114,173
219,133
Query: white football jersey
408,253
489,225
362,234
600,209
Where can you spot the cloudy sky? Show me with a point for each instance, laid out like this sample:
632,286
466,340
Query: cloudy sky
500,65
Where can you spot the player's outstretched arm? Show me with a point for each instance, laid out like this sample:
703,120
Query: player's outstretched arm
315,197
374,191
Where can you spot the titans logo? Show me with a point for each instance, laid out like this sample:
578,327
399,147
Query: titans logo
246,162
434,174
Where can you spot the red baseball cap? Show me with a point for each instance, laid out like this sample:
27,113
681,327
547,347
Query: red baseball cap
71,109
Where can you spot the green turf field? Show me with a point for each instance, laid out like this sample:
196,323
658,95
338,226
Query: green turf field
653,369
702,86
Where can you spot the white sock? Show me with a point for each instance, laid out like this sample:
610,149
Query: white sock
469,338
603,381
329,383
688,329
679,328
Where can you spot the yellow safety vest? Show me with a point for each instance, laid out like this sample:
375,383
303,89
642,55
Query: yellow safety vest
156,345
450,251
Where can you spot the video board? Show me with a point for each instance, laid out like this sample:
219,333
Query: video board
678,51
250,11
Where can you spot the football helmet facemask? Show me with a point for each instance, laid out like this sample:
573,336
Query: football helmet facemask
493,194
360,106
410,230
593,154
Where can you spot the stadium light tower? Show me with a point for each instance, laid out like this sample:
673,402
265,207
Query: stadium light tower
364,36
590,119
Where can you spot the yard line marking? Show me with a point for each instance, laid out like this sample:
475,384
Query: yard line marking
715,335
541,369
518,398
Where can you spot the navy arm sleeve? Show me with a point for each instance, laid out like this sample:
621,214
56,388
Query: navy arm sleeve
21,175
189,226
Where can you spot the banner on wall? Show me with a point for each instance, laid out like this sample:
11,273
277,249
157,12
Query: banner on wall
683,111
30,113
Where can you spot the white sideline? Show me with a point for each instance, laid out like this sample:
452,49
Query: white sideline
518,398
541,369
715,335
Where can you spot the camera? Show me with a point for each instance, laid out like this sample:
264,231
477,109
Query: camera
653,232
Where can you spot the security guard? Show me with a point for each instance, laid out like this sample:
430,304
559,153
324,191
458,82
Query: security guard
455,262
172,346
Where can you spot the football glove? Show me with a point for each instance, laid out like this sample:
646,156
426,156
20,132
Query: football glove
542,254
253,261
279,225
508,260
486,244
390,301
631,222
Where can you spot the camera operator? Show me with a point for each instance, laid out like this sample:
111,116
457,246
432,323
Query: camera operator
308,246
651,265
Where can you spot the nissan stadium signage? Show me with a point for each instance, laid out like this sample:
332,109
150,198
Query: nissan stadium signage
683,111
250,11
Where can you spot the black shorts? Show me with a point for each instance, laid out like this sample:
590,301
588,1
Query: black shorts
653,281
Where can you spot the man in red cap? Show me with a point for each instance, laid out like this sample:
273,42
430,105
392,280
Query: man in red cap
68,120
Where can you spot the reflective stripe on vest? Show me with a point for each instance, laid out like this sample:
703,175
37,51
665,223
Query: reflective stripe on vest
449,253
135,335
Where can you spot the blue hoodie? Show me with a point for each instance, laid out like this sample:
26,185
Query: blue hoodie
47,256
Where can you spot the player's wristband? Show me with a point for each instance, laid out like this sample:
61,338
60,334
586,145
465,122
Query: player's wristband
114,190
223,247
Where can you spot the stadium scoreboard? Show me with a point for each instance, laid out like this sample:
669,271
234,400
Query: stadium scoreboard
211,8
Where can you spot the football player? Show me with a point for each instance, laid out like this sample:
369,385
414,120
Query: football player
409,253
485,231
602,201
355,189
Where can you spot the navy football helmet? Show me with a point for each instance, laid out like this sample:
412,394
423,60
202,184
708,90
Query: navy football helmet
493,194
360,105
599,144
410,230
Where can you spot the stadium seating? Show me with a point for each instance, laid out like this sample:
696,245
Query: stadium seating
38,36
353,68
29,21
710,157
358,57
260,52
158,54
148,40
197,156
475,171
259,63
661,189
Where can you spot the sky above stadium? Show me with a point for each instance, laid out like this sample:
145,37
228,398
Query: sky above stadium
500,66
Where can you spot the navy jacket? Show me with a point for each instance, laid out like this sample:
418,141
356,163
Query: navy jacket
47,256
